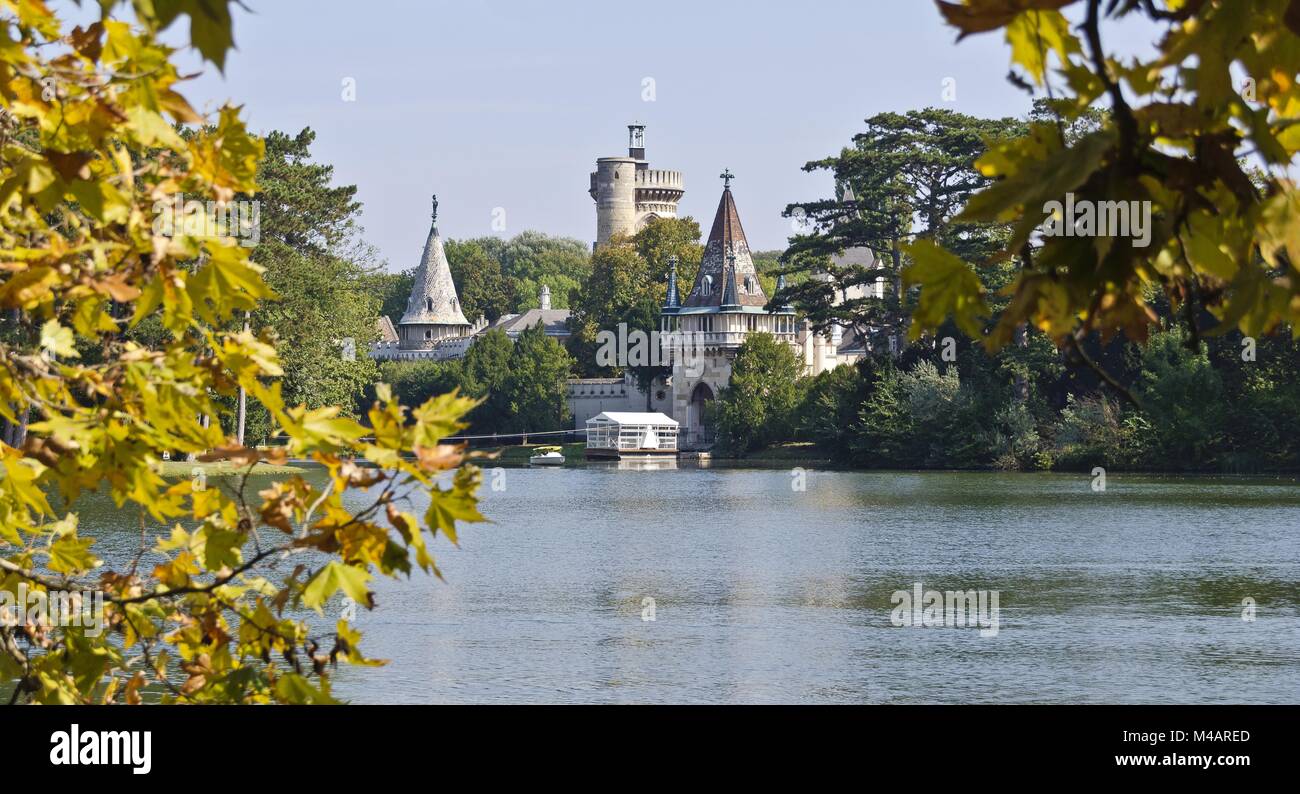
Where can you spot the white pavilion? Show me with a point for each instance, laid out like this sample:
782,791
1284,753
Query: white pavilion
620,434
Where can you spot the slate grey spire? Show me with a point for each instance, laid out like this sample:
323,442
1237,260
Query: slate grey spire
780,285
729,293
674,298
433,298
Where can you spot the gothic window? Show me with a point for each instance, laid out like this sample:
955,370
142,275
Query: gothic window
706,286
428,304
749,284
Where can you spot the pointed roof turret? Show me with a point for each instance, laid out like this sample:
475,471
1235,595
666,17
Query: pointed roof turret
780,285
433,298
726,240
729,296
673,301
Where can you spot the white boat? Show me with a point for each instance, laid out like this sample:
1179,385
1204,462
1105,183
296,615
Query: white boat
547,456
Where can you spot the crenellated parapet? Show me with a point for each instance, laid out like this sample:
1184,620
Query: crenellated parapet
628,192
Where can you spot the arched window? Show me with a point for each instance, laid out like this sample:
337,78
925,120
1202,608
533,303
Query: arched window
706,286
428,304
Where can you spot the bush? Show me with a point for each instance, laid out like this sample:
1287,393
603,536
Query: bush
828,412
923,418
1183,403
1092,431
758,406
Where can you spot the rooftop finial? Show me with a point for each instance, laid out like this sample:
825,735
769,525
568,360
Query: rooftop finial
726,176
674,298
435,208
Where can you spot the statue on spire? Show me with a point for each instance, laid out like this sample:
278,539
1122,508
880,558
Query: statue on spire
435,208
726,176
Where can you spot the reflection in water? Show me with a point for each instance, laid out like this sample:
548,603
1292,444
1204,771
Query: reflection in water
765,593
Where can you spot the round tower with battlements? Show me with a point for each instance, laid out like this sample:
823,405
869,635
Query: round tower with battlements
628,192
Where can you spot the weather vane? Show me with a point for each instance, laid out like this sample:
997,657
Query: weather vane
726,176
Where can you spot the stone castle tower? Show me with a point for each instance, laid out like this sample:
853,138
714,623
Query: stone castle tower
628,192
433,311
724,306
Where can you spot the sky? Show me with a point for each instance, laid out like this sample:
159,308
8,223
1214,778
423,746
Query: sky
502,107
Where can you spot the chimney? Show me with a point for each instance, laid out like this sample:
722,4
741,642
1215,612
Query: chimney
545,298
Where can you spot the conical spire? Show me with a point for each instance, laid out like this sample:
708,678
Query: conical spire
433,298
717,273
780,285
674,299
729,296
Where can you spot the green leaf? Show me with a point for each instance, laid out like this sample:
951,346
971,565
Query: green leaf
71,554
211,29
293,688
457,503
1206,247
336,575
949,287
57,340
1033,34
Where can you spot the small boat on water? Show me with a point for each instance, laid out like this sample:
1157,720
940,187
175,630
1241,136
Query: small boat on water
547,456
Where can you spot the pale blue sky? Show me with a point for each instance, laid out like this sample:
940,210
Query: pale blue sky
508,103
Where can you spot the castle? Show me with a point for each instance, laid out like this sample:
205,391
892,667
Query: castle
434,327
725,304
628,192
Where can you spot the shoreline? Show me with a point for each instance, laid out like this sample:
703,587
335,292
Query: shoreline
518,454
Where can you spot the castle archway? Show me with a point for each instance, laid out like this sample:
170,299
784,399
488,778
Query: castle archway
698,423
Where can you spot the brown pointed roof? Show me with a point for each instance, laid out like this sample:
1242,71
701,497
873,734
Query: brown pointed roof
726,238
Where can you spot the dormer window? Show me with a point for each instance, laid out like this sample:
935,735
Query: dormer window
428,304
749,285
706,286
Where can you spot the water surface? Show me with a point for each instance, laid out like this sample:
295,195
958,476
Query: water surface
763,593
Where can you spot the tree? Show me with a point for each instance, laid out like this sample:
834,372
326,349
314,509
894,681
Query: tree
323,274
483,289
414,382
618,292
534,394
663,238
922,417
485,372
93,245
828,409
394,290
757,406
903,180
532,259
1184,433
1219,241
